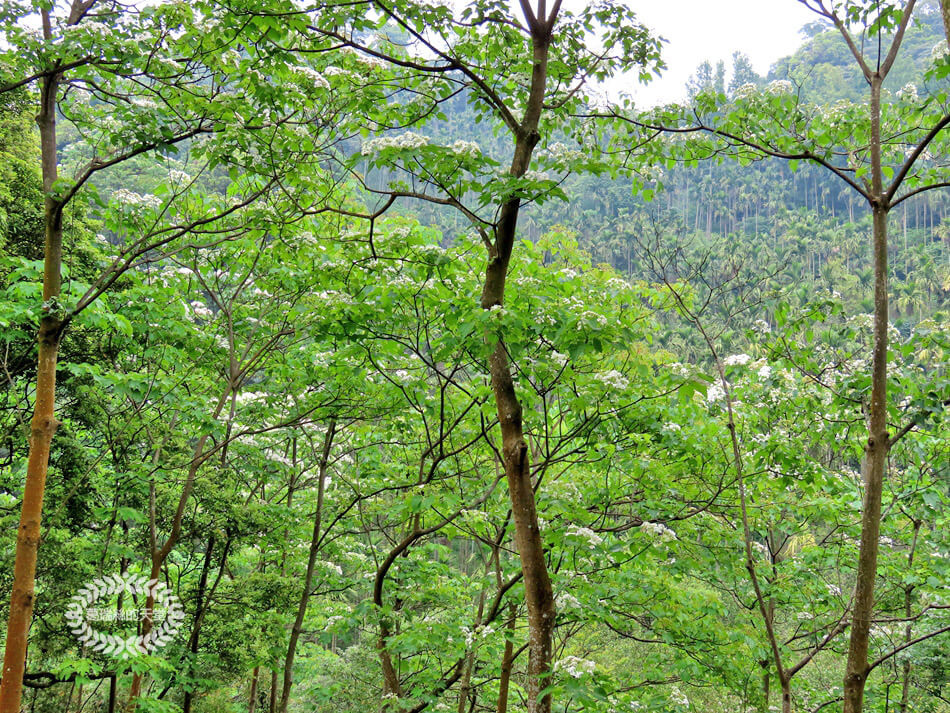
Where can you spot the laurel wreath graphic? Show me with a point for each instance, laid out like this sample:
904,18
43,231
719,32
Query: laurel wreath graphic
116,645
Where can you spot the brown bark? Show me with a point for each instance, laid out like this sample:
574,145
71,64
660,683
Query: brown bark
311,564
507,663
945,13
44,423
160,553
252,698
539,596
875,451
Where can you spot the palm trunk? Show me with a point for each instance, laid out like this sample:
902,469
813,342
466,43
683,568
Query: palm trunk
44,422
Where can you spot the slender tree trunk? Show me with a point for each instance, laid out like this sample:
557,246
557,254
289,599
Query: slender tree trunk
539,596
193,642
272,707
113,697
308,578
875,452
252,699
507,662
44,423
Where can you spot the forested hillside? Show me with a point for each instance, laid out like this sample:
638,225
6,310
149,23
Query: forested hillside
366,356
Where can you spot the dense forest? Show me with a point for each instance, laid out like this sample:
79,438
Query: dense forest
369,356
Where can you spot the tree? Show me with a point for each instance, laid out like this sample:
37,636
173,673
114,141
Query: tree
136,82
885,166
536,50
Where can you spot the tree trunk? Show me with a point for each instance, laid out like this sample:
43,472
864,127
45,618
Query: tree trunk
539,596
308,578
200,605
507,663
44,423
945,12
875,452
252,699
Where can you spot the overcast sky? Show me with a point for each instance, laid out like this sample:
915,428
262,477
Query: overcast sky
697,30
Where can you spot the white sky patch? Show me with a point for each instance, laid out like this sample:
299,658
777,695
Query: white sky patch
698,30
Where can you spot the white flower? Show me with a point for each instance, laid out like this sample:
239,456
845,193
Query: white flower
201,310
765,371
678,697
131,198
671,427
736,360
565,601
658,529
408,140
178,176
586,533
780,86
761,326
536,176
465,148
614,380
715,392
746,90
908,91
939,50
575,667
312,76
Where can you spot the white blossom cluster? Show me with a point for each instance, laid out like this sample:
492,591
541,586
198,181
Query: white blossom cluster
201,311
312,76
714,393
178,177
761,326
746,90
780,86
658,529
131,198
613,380
585,533
737,360
566,601
575,667
536,176
465,148
558,358
473,635
939,50
908,91
408,140
678,697
560,153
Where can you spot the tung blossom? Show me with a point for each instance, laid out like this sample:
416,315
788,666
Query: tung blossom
408,140
575,667
137,200
658,529
736,360
780,86
746,90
